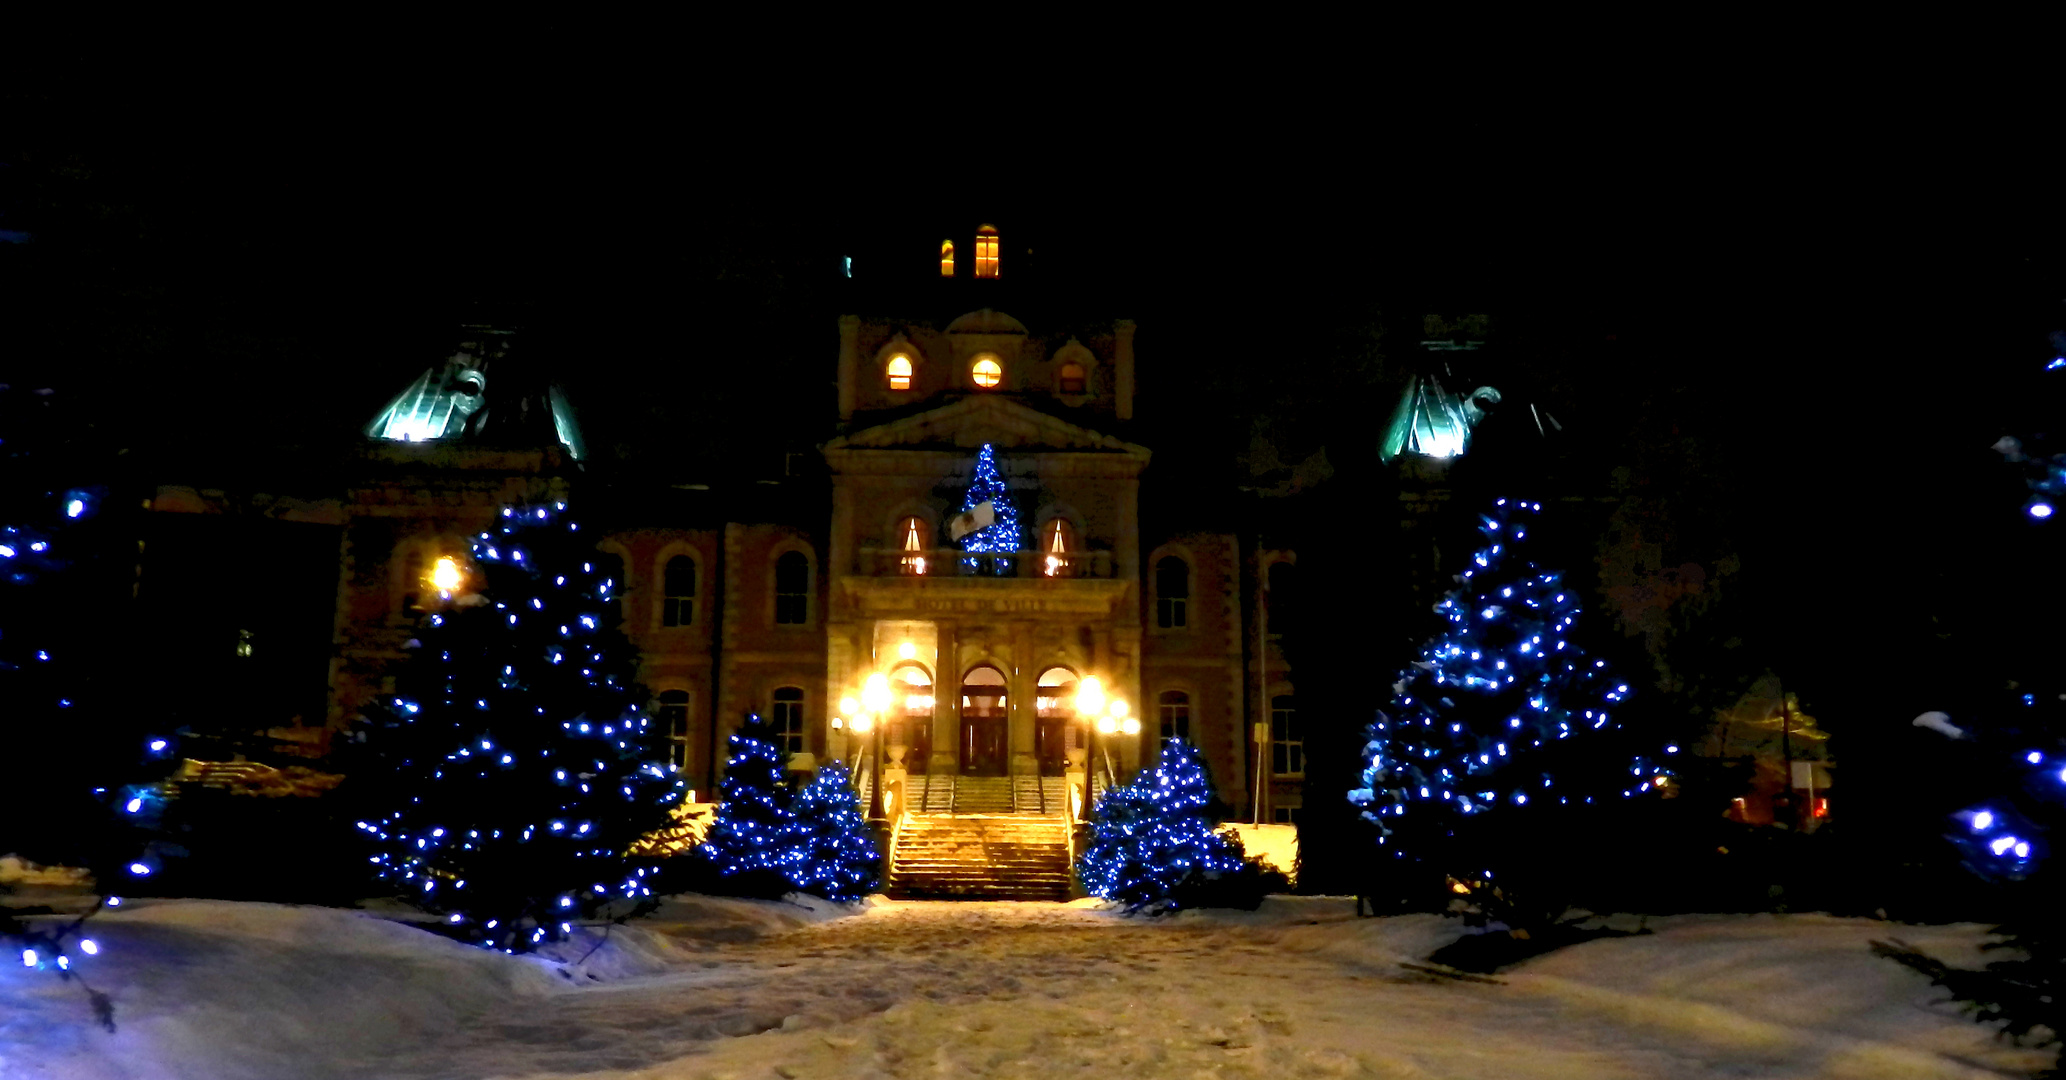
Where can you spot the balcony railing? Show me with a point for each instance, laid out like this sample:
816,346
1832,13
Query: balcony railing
953,562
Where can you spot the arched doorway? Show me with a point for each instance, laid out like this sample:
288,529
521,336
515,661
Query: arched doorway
1056,700
985,723
911,712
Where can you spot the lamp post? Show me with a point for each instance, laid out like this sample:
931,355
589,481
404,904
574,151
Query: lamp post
875,702
1090,709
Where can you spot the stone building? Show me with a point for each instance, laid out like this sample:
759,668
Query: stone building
840,607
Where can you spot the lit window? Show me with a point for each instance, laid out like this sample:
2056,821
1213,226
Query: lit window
899,371
987,372
1175,707
946,258
986,252
1071,379
785,727
1287,740
1060,542
1172,592
792,589
674,720
915,540
678,604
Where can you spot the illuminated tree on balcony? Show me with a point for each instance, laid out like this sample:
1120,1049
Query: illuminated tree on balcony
521,763
1500,736
996,533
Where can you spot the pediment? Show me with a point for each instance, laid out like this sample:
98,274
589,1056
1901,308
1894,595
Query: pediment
984,418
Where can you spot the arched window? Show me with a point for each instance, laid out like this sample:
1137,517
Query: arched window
674,720
1058,539
792,589
785,719
915,538
946,258
1283,596
899,372
1070,380
986,372
1172,592
1175,709
986,252
678,592
1054,708
1287,739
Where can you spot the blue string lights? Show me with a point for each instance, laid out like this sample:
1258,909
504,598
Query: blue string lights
1002,536
752,836
1150,839
519,780
1503,714
836,853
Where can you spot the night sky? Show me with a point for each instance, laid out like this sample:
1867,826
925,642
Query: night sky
1808,330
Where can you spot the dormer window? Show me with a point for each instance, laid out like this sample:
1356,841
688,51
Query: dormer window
899,372
946,258
1070,381
987,372
986,252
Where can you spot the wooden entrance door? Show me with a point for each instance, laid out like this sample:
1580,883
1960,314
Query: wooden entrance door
985,724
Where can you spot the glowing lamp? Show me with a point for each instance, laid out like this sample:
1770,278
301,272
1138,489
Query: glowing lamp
906,650
1130,726
1117,708
1090,697
876,692
863,723
445,574
838,723
1107,725
849,705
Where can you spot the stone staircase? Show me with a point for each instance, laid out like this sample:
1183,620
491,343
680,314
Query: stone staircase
985,856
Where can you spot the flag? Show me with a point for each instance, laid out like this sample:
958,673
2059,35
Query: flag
982,516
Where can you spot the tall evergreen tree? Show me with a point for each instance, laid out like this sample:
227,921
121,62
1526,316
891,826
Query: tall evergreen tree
836,856
1151,841
521,762
1503,737
752,842
1002,536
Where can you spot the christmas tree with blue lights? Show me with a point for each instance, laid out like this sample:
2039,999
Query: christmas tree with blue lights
520,760
1002,536
753,842
1502,739
836,856
1151,840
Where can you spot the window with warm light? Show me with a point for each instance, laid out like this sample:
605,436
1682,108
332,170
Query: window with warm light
899,372
1172,592
915,539
674,720
678,601
986,252
1071,380
946,258
792,589
1058,538
987,372
1287,739
785,720
1175,709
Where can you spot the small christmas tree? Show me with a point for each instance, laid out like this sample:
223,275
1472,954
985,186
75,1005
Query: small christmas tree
1001,537
752,844
520,762
836,856
1150,840
1499,732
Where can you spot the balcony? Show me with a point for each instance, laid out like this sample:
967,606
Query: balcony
953,563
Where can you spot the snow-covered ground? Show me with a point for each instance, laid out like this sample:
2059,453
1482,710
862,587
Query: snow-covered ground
210,990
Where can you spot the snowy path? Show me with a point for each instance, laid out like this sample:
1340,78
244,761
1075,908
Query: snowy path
734,989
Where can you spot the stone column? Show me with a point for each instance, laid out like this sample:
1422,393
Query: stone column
1020,686
946,759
